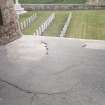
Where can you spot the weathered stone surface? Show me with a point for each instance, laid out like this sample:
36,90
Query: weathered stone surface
69,74
10,95
9,31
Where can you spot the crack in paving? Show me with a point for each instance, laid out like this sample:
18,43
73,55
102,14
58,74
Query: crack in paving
31,92
21,89
34,94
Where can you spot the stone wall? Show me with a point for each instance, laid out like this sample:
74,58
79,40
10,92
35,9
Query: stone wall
102,2
97,2
92,1
61,6
9,28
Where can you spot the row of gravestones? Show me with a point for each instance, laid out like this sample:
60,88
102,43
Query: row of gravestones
28,22
64,30
45,25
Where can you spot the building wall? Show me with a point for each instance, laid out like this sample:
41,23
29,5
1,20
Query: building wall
9,28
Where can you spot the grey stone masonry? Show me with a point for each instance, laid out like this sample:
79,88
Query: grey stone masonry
63,6
9,29
97,2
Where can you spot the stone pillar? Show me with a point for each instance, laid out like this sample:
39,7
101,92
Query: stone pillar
9,29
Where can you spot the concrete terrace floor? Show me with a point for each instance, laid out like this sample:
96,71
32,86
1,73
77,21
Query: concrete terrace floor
52,71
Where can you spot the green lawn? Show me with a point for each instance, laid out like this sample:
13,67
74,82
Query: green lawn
52,1
55,28
41,17
84,24
87,25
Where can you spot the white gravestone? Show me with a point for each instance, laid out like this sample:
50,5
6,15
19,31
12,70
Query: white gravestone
37,32
45,25
27,22
66,25
24,24
21,26
42,28
40,31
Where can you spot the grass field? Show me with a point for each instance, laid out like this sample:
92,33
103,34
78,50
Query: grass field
84,24
52,1
57,25
87,25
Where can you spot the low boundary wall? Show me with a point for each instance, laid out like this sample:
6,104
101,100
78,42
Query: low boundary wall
62,7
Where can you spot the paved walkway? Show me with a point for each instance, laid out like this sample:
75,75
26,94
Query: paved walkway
51,71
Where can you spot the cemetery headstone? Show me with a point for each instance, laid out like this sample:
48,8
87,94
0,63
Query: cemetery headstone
28,22
66,25
45,25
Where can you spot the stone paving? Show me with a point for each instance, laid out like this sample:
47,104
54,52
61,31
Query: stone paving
51,71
